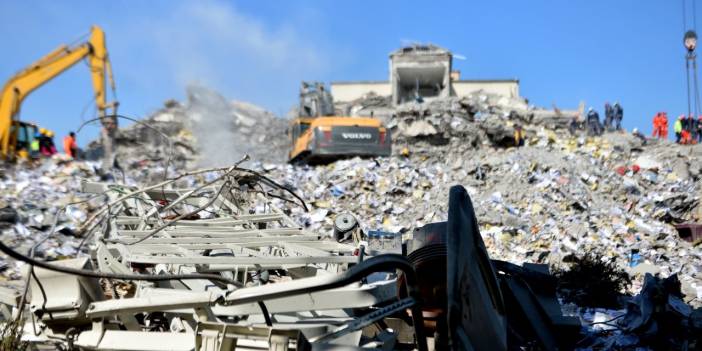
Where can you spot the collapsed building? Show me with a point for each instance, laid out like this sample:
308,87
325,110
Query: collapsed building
425,99
422,72
359,253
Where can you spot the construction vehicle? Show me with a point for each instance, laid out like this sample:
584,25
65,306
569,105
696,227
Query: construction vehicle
318,135
14,133
24,133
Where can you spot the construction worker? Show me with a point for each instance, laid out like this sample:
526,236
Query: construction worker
518,135
686,134
34,146
593,122
46,143
43,142
678,128
618,116
639,135
609,116
699,129
693,126
574,125
657,130
70,147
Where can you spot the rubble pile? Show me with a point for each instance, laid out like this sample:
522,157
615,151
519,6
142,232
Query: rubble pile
35,201
161,138
370,104
223,235
540,203
559,195
657,318
225,131
471,119
197,132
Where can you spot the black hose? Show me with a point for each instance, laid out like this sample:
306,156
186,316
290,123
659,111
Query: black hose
273,184
43,294
266,315
382,263
93,274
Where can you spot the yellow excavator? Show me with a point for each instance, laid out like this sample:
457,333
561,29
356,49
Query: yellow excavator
15,134
318,135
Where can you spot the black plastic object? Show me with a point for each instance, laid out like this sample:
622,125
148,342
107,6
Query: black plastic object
427,251
476,313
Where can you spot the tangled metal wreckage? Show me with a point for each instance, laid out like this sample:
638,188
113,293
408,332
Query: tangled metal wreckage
223,266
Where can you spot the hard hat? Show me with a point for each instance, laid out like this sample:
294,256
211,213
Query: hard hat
42,130
590,109
681,116
636,130
49,133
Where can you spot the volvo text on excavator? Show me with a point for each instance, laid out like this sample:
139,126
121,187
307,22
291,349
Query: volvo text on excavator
318,135
13,132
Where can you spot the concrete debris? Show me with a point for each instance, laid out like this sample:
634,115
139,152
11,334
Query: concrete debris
224,254
193,133
370,104
215,122
655,319
477,117
558,195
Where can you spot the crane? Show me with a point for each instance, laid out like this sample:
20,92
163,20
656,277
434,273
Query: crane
42,71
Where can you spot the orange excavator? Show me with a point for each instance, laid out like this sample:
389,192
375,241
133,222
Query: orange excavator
319,136
15,134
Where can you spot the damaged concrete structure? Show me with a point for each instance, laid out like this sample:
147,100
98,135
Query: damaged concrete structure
422,72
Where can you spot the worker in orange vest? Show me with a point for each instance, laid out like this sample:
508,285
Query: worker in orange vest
657,132
70,147
664,125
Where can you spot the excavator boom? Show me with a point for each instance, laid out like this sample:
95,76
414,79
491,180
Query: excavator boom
58,61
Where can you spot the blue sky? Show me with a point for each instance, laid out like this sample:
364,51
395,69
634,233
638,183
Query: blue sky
563,52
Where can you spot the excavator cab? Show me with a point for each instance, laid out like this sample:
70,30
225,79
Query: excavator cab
23,134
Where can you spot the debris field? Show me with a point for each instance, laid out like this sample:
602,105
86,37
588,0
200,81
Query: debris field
193,248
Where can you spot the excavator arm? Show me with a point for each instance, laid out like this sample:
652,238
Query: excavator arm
50,66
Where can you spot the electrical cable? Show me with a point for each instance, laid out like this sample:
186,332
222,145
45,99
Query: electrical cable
694,15
684,13
93,274
272,183
687,79
162,134
173,221
381,263
51,232
43,295
608,321
696,88
266,315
